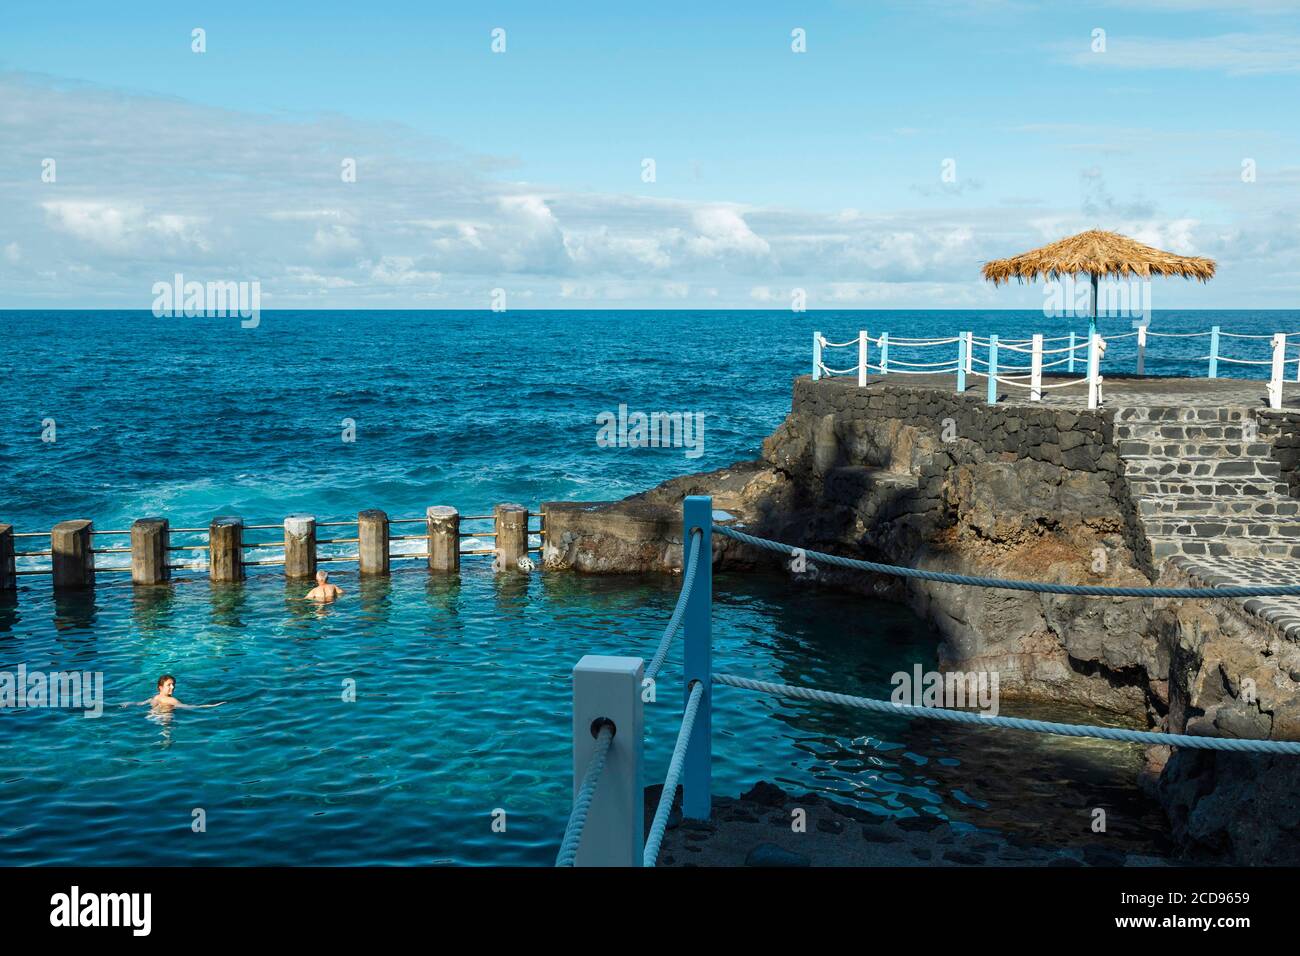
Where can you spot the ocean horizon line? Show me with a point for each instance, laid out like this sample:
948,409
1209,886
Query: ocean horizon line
488,311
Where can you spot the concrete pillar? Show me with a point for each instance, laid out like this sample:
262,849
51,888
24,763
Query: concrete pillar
150,538
8,580
74,564
443,525
609,689
372,541
300,546
226,549
511,522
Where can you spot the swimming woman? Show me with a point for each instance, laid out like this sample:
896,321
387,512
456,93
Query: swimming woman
164,700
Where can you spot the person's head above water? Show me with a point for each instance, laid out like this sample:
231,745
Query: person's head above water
166,684
322,577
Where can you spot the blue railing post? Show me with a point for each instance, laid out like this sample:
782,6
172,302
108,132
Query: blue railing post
884,352
817,356
1070,365
961,362
1214,352
993,369
697,512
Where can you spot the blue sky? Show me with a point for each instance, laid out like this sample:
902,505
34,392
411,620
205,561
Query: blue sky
522,170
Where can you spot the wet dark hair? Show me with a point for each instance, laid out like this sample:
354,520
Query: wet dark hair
164,679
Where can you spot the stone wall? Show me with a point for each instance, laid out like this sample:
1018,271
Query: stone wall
1282,428
1078,440
1074,439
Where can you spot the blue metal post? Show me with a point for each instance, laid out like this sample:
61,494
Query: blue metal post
817,356
1070,366
1214,351
884,352
961,362
697,512
993,369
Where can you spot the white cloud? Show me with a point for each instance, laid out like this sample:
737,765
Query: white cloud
402,271
334,243
723,231
123,227
245,196
1235,54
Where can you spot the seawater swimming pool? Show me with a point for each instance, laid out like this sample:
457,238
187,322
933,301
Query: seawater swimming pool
462,708
463,686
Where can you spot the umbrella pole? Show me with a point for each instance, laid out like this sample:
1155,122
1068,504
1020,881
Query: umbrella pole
1092,323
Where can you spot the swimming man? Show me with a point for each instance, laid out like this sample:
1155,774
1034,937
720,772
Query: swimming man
324,591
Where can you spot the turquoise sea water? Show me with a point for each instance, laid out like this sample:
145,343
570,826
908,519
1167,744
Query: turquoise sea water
462,687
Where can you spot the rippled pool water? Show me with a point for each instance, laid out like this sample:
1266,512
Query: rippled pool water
462,707
463,687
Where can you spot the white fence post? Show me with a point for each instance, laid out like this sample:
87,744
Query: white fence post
1279,363
1142,350
1036,369
817,356
993,369
970,347
609,689
862,358
1070,367
963,360
1094,371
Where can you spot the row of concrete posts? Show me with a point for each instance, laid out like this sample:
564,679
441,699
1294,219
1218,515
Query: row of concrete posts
72,552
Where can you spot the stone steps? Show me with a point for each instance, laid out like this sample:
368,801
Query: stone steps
1177,413
1262,506
1163,547
1193,466
1132,448
1177,486
1204,485
1178,431
1211,526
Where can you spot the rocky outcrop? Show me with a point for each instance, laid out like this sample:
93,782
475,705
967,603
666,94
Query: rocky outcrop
1230,676
925,478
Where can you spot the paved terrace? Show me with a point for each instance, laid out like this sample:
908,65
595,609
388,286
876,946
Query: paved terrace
1117,391
1201,461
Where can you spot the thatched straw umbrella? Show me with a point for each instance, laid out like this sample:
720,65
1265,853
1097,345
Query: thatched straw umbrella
1097,253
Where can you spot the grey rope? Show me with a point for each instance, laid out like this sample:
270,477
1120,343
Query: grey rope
582,801
660,823
1041,587
675,621
1014,723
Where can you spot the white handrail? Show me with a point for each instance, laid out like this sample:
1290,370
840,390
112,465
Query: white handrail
966,362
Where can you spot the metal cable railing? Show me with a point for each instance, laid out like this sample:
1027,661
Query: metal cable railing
660,824
674,622
586,793
618,679
1039,587
1150,737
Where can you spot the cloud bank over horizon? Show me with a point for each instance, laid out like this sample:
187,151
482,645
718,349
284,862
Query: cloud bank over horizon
145,186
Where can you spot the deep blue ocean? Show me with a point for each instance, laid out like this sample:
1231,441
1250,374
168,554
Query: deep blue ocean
462,687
